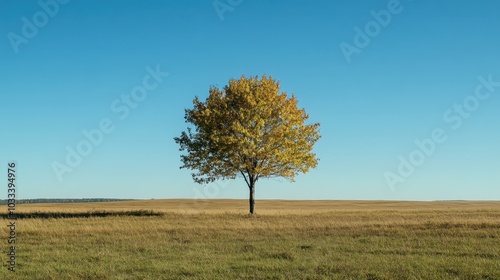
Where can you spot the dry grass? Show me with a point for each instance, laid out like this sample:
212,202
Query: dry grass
285,240
262,206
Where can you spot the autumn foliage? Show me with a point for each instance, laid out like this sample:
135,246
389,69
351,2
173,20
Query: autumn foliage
248,128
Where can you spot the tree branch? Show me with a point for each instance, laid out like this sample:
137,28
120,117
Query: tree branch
245,177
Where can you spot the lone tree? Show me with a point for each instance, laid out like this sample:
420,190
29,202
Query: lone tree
248,128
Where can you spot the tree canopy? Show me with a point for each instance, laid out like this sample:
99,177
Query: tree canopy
248,128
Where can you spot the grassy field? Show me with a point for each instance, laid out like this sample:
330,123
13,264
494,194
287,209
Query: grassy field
284,240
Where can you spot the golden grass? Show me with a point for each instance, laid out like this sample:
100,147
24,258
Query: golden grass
262,206
285,240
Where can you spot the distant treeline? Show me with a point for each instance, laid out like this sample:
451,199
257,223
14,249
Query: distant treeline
63,200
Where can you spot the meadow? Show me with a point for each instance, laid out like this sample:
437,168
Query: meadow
217,239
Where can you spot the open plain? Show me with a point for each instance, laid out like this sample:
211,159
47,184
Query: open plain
217,239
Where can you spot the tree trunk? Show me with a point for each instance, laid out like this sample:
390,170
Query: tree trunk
252,194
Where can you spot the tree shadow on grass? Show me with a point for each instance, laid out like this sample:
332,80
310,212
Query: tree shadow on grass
88,214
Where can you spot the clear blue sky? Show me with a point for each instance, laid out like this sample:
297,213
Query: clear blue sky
65,67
